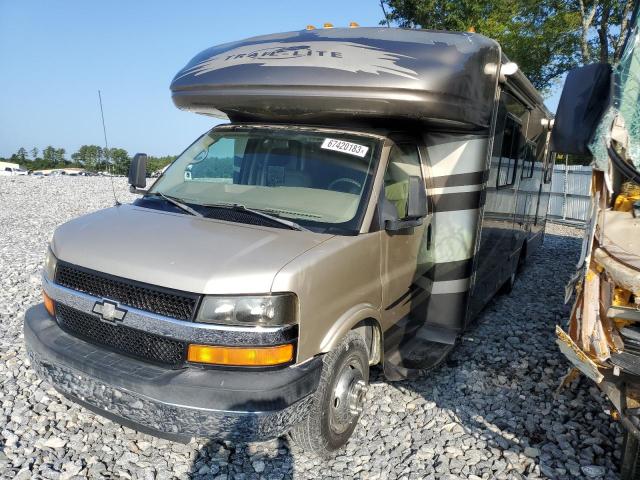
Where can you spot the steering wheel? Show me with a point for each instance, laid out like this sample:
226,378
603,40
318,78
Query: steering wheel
350,181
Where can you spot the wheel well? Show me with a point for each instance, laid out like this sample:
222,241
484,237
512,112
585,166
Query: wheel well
369,330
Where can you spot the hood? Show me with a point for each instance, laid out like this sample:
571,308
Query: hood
179,251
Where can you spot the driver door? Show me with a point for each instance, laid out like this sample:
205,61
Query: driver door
406,256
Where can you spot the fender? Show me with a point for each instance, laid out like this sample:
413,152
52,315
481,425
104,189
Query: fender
345,323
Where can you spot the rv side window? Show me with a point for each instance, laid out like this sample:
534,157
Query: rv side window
404,161
529,160
509,153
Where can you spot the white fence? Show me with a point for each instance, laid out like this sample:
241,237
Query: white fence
570,199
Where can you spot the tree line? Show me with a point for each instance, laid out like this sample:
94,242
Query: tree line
92,158
544,37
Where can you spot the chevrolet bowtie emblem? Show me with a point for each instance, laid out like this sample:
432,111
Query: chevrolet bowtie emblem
109,311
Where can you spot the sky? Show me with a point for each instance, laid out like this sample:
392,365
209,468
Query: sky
55,56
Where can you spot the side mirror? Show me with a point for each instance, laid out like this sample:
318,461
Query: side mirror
417,207
138,171
417,199
584,99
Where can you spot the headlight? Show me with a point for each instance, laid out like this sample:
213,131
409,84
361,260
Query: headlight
50,262
268,310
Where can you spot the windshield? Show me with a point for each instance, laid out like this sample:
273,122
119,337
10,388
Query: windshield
317,179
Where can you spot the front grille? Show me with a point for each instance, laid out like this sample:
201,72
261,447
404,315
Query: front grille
179,305
119,338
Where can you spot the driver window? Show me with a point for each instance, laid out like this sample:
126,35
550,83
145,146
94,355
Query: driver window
404,162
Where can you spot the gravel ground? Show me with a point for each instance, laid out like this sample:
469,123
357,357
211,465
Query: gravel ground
490,412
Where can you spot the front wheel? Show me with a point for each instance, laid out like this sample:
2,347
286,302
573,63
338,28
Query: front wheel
338,401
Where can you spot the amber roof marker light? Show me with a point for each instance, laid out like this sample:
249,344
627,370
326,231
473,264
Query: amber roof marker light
354,24
310,27
327,25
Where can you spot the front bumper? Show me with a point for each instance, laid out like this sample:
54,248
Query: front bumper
190,402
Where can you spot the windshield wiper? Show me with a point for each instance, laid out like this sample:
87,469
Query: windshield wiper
178,203
258,213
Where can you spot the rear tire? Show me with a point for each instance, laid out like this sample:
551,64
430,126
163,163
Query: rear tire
338,400
630,467
507,287
522,261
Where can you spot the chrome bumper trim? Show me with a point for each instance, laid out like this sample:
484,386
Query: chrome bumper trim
157,416
189,332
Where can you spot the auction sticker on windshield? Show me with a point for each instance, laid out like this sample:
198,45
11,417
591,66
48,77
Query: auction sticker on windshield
345,147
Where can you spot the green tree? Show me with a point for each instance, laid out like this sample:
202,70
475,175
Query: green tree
76,159
21,155
59,154
542,37
34,153
158,163
603,28
88,156
49,157
120,160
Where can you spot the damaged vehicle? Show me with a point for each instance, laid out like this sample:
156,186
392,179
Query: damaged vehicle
373,190
599,115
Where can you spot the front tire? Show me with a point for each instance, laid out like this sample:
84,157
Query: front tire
338,401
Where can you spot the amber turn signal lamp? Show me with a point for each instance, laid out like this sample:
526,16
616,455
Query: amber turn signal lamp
240,356
48,304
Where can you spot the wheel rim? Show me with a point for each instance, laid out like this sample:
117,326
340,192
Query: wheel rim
347,397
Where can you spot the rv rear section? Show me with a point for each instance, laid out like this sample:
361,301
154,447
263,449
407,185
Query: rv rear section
597,116
371,192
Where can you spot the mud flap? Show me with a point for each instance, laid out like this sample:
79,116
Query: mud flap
408,352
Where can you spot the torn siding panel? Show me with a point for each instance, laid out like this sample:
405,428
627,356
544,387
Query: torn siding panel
577,357
623,276
590,310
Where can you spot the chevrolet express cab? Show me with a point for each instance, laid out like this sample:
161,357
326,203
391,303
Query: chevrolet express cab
373,189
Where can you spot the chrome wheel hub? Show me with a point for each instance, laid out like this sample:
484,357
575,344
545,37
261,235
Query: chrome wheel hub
356,397
347,399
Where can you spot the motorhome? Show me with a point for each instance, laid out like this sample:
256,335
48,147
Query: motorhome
372,190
